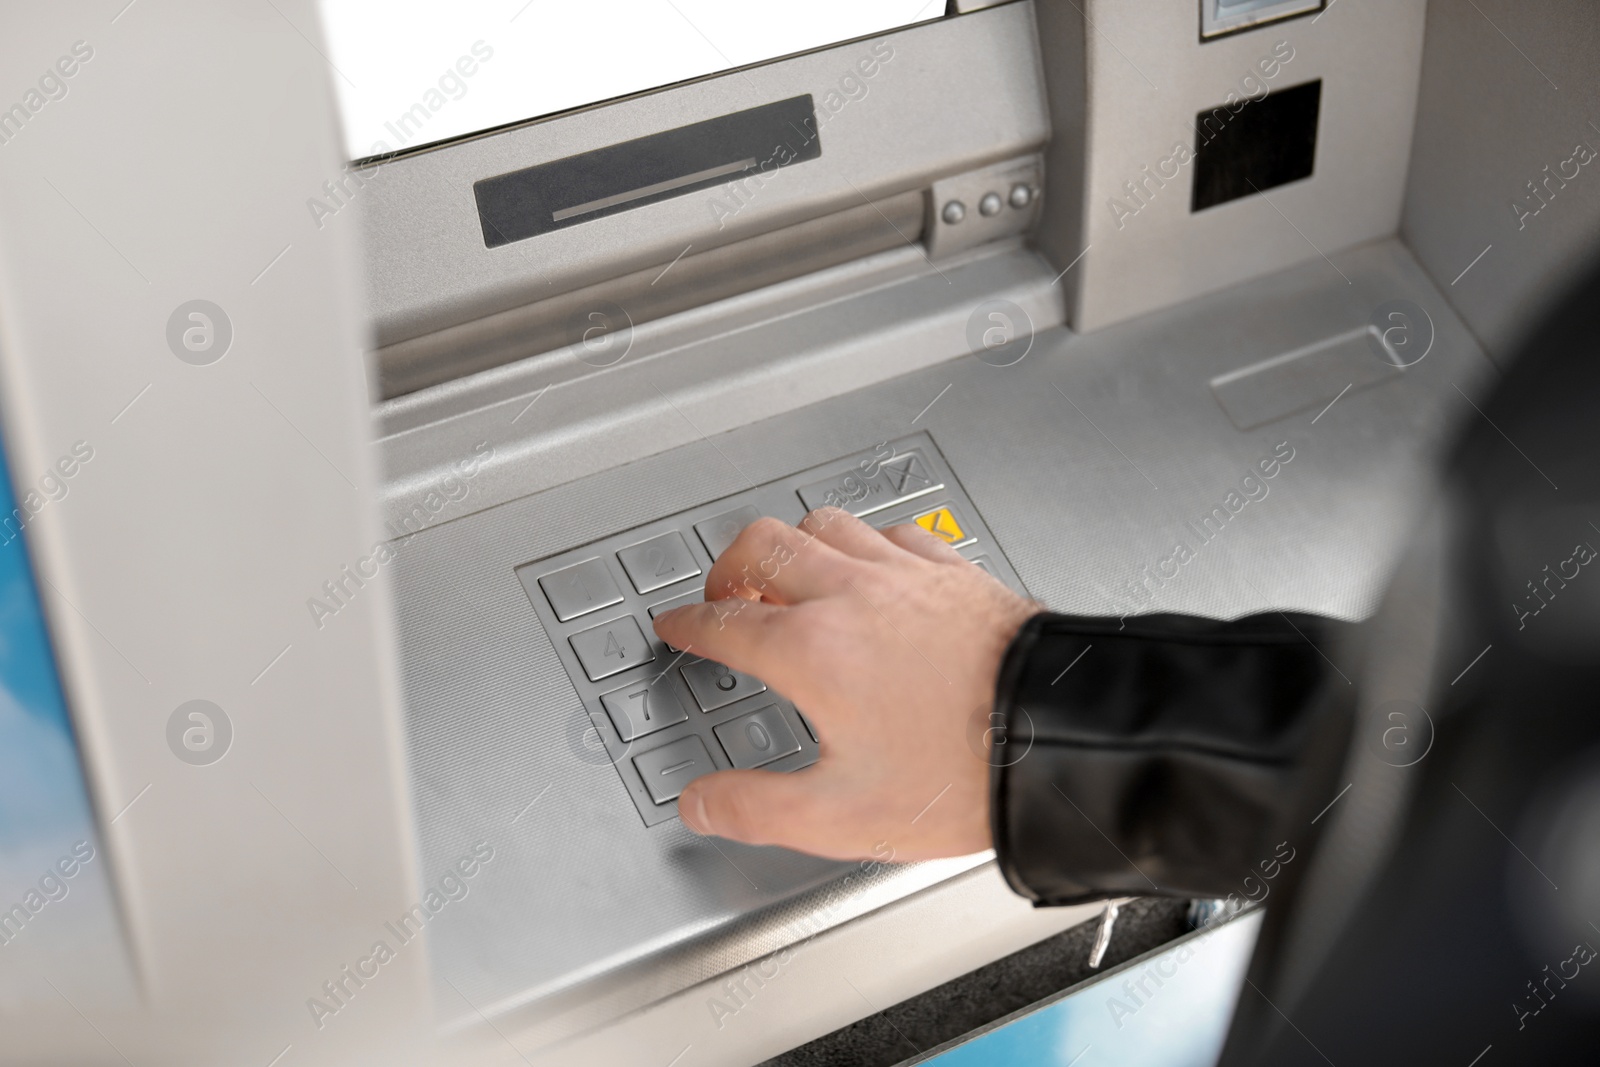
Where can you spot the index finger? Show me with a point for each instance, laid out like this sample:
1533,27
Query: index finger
744,634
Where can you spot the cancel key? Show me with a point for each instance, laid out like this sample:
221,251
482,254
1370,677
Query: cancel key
906,475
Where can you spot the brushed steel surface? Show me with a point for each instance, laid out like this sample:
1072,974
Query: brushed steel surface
544,421
688,280
825,979
1306,378
1087,461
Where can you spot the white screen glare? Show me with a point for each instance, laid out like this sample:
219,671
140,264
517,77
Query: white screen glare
418,72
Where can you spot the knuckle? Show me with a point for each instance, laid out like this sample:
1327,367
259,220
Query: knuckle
817,518
814,636
724,580
896,533
768,529
790,631
879,588
770,638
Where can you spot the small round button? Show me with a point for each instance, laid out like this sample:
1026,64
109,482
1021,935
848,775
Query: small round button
1021,196
990,204
953,212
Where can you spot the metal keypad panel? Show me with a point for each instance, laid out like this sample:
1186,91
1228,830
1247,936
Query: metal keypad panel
668,716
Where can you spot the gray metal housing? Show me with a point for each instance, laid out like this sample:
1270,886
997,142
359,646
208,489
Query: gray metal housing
1088,460
245,486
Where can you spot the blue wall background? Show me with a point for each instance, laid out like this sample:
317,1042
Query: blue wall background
59,933
42,792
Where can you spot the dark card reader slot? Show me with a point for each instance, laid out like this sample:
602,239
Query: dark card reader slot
566,192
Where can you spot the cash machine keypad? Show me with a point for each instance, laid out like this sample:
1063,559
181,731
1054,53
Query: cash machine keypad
667,716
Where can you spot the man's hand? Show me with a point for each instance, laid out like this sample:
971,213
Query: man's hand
889,642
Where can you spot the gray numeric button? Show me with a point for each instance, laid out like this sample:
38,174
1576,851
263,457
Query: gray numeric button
677,602
658,562
580,589
757,738
611,647
666,770
643,709
716,686
718,532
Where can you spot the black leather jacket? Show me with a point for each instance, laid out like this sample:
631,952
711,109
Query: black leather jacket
1160,753
1450,903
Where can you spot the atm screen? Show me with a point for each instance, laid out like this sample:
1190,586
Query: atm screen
421,72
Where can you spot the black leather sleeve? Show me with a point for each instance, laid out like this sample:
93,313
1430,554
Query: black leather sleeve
1158,754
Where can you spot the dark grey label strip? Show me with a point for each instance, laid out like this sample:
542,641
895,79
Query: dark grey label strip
620,177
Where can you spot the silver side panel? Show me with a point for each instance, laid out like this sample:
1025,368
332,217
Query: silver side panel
1499,112
957,94
1060,234
1148,77
219,497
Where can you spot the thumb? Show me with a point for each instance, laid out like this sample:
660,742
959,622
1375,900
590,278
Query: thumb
755,807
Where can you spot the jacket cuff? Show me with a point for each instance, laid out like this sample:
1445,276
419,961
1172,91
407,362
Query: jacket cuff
1165,763
1006,747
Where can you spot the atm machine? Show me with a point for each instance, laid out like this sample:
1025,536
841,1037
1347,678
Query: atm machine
403,381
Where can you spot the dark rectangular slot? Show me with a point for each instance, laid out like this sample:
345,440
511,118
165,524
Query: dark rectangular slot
565,192
1268,141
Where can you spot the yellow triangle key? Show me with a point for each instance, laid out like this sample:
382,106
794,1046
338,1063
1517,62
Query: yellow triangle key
942,524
